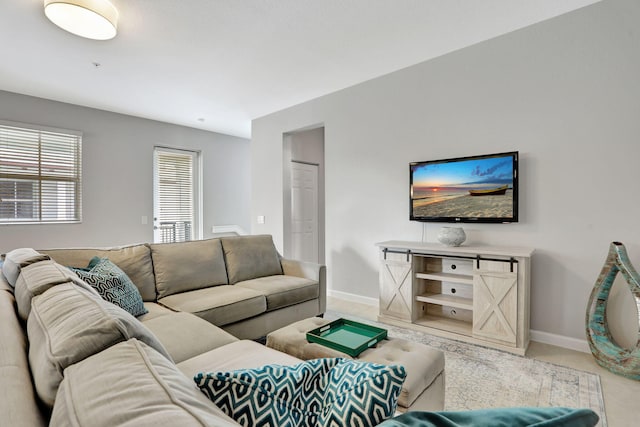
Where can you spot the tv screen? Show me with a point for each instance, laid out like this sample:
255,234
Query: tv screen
466,189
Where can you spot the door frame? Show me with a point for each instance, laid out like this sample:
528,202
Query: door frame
196,156
289,140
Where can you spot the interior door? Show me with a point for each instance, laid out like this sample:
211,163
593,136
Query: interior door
304,211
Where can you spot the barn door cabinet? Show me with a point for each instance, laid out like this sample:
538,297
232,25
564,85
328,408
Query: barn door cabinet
477,294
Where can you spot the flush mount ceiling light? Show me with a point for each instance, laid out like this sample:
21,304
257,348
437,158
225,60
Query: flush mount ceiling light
93,19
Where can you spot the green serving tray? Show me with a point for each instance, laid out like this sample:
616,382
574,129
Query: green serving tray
347,336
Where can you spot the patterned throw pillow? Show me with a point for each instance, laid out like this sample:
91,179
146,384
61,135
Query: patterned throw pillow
512,417
112,284
322,392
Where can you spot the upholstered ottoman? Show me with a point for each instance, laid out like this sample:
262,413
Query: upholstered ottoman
423,389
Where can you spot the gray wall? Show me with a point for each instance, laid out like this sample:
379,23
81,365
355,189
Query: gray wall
565,93
117,154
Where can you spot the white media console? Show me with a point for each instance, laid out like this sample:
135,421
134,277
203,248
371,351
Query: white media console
477,294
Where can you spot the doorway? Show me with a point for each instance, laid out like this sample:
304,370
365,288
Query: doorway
176,195
303,188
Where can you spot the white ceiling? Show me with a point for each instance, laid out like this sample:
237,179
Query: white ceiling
218,64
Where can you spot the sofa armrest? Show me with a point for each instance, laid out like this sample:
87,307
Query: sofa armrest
308,270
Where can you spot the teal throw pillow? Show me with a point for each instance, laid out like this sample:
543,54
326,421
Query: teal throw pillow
322,392
498,417
112,284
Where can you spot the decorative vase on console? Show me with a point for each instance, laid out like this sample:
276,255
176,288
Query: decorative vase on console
451,236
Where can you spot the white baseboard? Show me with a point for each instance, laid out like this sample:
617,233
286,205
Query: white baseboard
560,341
538,336
373,302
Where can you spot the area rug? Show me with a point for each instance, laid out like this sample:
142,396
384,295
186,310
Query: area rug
479,377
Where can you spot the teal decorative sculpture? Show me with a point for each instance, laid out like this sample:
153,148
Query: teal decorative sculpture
607,352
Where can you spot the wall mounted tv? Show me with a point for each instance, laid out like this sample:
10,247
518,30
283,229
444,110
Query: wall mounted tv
465,189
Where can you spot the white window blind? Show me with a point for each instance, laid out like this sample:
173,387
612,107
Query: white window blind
40,175
174,220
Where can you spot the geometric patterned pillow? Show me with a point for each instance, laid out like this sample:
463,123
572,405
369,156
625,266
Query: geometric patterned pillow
322,392
512,417
112,284
361,394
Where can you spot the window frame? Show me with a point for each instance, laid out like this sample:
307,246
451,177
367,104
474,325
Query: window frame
75,138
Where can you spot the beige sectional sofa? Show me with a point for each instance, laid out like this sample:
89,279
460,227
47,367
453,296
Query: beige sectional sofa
240,284
70,358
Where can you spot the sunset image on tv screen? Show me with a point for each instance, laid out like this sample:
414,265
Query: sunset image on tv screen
474,188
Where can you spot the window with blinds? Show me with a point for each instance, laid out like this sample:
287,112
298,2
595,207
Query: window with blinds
174,195
40,175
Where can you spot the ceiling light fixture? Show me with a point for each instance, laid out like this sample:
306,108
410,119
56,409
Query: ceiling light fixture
93,19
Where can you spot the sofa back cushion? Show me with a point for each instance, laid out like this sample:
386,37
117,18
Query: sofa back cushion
135,261
18,403
129,385
67,324
17,259
250,257
187,266
37,278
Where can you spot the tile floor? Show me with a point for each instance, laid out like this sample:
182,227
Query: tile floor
621,395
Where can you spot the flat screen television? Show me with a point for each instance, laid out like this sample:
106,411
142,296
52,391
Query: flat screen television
481,189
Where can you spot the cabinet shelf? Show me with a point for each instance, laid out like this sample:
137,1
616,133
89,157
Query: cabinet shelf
445,324
448,300
447,277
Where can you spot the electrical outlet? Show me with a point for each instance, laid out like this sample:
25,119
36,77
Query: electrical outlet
260,219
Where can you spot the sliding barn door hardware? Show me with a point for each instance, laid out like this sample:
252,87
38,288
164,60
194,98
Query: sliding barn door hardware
477,258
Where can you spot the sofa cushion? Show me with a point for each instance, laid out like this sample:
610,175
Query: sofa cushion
112,284
249,257
320,392
283,291
154,310
18,405
185,335
219,305
36,278
130,385
14,260
241,354
186,266
134,260
68,324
